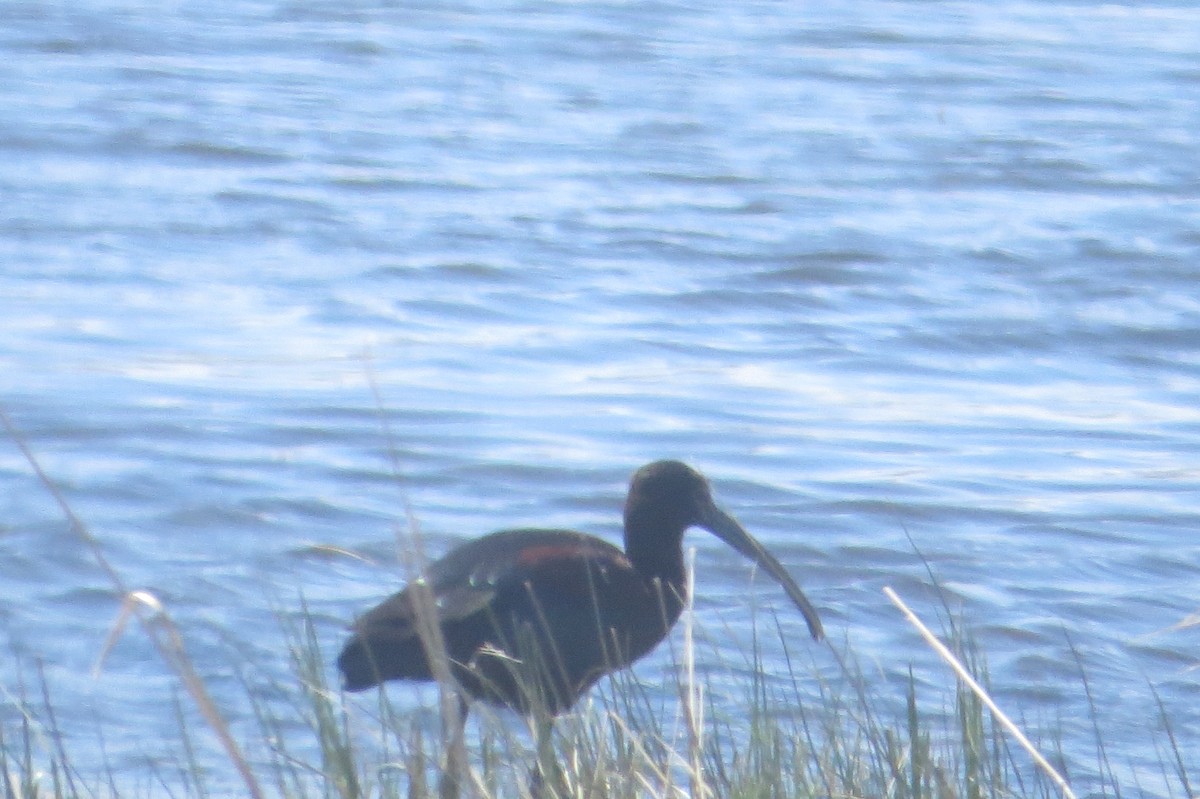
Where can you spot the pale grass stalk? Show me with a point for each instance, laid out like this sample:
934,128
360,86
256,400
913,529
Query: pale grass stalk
453,707
159,628
1188,621
648,773
1191,620
944,652
452,704
693,693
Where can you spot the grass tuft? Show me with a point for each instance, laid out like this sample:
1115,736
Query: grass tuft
792,735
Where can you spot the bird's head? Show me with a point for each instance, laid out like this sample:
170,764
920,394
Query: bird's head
667,497
675,494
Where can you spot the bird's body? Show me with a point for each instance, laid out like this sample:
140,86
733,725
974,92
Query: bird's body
530,619
495,598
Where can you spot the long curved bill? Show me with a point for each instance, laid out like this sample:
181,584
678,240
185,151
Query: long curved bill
726,528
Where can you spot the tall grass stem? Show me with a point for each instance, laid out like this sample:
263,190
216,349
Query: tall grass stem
964,675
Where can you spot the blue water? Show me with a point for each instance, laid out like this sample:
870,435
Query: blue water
892,274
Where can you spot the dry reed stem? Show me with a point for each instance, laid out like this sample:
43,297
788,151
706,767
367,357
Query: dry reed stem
693,706
944,652
450,700
159,628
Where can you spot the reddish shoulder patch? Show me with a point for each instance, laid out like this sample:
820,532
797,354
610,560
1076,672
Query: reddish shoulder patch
546,553
531,556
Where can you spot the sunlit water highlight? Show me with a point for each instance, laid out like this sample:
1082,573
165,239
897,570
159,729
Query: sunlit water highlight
892,274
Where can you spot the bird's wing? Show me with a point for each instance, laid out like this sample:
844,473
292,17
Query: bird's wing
397,616
465,581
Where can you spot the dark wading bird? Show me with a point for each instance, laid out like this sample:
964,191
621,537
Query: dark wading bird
530,619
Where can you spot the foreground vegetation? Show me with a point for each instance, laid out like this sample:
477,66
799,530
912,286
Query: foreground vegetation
790,735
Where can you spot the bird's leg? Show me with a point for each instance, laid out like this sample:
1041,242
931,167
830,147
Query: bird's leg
449,784
546,769
535,783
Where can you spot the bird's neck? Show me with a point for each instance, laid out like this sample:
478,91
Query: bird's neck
655,550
